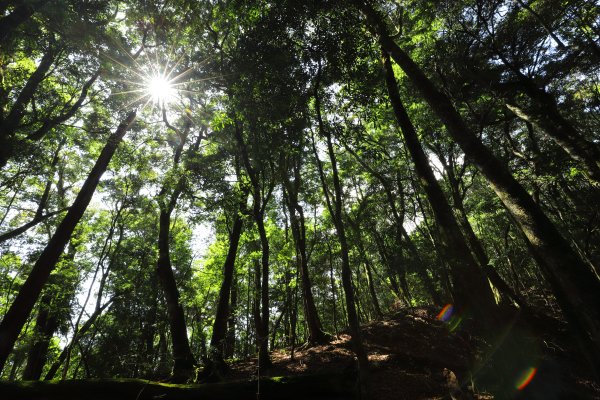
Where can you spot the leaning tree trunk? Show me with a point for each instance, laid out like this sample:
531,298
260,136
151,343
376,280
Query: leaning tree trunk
472,292
46,324
474,242
573,283
19,311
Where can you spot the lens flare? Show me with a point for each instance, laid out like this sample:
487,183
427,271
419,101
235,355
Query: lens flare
446,313
526,378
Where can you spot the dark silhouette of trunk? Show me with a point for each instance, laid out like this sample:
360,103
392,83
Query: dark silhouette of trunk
217,342
297,222
355,225
472,292
385,259
54,308
29,293
333,291
262,330
336,210
184,362
573,283
473,241
371,284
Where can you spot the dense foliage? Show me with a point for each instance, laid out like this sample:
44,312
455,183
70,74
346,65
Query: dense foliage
311,165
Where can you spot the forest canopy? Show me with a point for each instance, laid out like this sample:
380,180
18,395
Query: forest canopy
187,184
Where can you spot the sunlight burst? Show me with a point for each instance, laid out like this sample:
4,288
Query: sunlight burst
161,90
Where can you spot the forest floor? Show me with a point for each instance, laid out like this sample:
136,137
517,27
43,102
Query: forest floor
413,356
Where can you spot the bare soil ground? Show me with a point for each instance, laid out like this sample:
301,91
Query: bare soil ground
414,356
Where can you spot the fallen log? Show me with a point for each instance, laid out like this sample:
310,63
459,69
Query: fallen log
322,386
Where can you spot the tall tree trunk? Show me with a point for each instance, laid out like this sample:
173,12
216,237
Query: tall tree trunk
336,210
573,283
315,330
29,293
260,200
184,361
472,292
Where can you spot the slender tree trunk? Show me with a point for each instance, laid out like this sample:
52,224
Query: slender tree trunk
46,324
22,305
333,291
9,125
315,330
260,200
263,332
184,361
336,210
574,285
473,294
219,332
80,332
371,286
401,235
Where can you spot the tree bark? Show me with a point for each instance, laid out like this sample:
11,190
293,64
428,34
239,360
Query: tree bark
23,303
